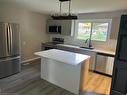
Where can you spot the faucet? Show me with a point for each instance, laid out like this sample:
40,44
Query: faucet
88,41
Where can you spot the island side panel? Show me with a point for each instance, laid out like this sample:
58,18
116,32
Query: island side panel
61,74
84,75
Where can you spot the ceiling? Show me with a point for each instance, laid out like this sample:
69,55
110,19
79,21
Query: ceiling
77,6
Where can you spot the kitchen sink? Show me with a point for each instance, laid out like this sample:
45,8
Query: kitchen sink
87,47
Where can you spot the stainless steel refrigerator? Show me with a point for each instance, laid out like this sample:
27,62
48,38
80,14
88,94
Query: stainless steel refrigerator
9,49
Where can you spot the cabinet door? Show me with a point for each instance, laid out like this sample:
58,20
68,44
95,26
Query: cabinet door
66,27
53,22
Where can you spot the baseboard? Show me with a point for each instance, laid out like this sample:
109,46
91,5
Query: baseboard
25,61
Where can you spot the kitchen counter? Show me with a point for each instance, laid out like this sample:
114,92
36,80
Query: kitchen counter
65,69
76,49
63,56
50,44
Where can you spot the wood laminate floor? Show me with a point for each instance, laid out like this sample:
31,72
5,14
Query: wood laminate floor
28,82
98,83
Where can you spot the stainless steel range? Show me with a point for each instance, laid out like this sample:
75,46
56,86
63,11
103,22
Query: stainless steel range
52,44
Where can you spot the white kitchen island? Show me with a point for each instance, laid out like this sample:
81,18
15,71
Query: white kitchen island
65,69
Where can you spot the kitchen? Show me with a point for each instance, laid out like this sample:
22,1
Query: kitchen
101,61
35,24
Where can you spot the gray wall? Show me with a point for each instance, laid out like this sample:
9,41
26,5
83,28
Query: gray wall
32,28
111,43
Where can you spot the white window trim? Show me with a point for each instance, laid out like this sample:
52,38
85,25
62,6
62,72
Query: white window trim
93,20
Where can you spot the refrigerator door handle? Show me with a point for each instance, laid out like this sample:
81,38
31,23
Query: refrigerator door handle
8,39
10,31
3,60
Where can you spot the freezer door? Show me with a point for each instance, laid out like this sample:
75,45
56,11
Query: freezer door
3,40
14,39
9,66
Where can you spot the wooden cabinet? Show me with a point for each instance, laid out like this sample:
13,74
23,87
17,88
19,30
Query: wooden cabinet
67,26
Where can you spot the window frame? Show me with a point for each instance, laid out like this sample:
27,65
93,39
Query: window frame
109,21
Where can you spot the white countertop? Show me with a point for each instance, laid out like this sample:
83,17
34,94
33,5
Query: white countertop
63,56
94,50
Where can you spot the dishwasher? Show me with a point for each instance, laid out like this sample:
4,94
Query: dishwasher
104,64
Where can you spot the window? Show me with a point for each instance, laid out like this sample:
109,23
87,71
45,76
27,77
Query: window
98,30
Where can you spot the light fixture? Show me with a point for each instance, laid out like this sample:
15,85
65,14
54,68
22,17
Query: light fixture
67,16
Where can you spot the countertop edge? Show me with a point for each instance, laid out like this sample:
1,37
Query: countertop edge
69,63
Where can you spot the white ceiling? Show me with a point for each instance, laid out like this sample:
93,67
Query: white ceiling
78,6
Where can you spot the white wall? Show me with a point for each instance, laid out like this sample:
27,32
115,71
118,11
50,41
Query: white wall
32,28
111,43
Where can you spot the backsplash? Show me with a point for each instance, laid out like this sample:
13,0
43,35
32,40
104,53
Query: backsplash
109,45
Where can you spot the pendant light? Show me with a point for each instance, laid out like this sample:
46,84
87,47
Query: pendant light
61,16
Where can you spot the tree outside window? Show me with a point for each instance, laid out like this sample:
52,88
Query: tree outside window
98,30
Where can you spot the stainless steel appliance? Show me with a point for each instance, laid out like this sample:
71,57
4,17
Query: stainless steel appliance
54,29
9,49
62,27
104,64
57,40
52,44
